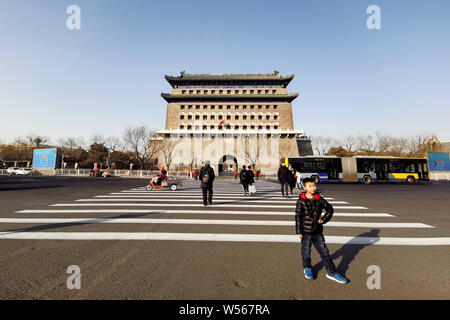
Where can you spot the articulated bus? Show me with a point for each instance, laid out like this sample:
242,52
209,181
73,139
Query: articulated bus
361,169
320,169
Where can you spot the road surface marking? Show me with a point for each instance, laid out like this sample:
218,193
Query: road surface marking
246,200
217,237
209,221
234,212
215,196
188,205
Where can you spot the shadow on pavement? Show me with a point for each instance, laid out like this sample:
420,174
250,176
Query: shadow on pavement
348,252
22,187
79,223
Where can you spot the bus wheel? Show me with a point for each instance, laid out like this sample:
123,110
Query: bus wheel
367,179
316,179
149,187
410,180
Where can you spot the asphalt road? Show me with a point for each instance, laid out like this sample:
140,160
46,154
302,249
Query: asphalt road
240,248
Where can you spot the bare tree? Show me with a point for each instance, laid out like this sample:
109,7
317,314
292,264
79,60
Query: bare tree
20,141
383,142
398,146
143,142
417,145
252,150
349,142
365,142
98,139
323,144
169,152
114,143
36,140
71,143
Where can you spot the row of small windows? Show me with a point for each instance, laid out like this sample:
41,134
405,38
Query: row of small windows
228,117
266,91
228,107
229,127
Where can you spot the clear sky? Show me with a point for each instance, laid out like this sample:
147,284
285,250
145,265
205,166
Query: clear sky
58,82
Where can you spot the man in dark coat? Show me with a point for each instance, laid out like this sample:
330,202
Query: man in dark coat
207,177
244,179
252,178
283,179
251,174
292,178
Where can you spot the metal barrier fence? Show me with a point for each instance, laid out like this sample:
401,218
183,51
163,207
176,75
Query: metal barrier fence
121,173
439,176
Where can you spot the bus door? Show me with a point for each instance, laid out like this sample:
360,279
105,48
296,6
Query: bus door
381,170
332,169
419,170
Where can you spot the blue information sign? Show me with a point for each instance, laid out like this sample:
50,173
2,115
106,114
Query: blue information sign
44,158
438,161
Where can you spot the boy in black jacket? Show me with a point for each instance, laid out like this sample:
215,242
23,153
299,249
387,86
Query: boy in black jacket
308,225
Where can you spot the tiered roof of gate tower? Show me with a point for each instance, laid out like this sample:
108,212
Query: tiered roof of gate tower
229,79
230,103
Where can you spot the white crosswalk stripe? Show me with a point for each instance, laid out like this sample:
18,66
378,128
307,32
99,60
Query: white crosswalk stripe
243,205
216,237
108,198
227,204
216,196
215,221
212,212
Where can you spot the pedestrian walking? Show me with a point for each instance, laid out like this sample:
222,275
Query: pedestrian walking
207,177
194,174
283,179
251,182
257,174
292,179
235,174
309,228
299,180
244,179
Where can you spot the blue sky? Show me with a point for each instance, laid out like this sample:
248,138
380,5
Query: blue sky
58,82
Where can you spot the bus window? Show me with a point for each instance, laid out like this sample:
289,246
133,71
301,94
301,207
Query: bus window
396,166
320,166
367,167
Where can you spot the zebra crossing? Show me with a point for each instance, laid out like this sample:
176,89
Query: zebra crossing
265,209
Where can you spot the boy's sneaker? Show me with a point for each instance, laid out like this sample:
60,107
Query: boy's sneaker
337,277
308,273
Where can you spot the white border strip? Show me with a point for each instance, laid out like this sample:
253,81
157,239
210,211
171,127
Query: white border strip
206,221
217,237
188,205
215,196
138,199
212,212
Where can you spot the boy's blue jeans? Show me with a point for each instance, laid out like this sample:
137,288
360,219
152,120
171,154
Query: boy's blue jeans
318,240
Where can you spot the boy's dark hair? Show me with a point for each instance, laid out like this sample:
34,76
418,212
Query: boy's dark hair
249,167
306,180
